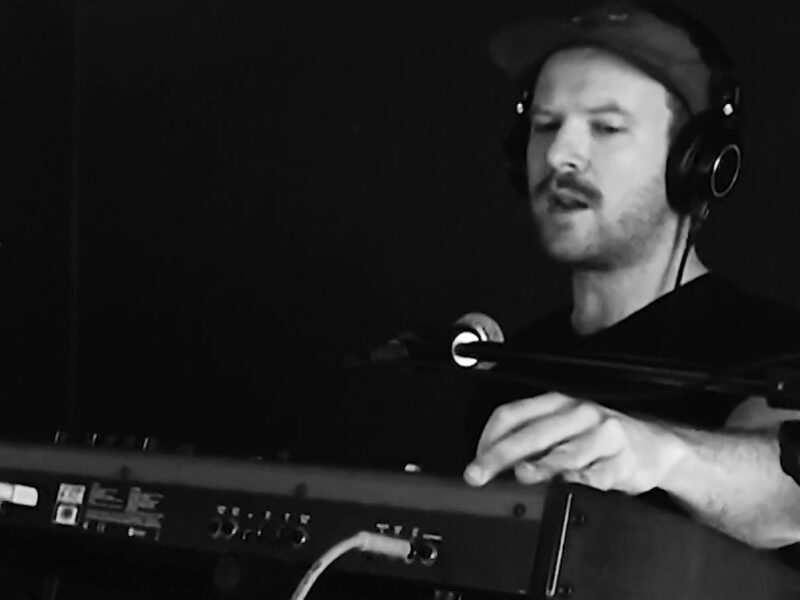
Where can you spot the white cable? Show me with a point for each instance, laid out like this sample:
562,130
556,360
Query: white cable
365,541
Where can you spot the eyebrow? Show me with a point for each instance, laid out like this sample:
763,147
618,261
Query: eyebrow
608,107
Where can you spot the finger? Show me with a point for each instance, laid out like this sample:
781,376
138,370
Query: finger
530,473
533,439
510,416
599,442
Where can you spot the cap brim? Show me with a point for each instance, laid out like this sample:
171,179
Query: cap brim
517,49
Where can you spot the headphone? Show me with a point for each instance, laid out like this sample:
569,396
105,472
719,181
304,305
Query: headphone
705,156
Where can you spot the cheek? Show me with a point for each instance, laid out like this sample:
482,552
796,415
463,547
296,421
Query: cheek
621,174
536,159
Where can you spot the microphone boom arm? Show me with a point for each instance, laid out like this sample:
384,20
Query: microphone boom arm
782,386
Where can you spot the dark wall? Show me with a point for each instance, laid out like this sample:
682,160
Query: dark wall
264,186
36,123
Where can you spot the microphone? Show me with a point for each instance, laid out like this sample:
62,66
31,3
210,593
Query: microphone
475,327
469,328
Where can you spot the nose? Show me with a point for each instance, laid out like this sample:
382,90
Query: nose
569,148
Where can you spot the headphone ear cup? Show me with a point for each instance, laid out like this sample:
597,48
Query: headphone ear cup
704,162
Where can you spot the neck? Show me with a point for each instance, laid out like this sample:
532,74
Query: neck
603,298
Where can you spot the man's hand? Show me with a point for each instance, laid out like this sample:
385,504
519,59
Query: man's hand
730,479
554,434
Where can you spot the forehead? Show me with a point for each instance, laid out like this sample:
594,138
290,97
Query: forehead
581,76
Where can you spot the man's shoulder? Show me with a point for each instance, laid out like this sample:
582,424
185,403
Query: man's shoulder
712,315
744,306
730,322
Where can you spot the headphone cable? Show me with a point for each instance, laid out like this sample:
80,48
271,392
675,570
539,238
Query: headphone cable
696,220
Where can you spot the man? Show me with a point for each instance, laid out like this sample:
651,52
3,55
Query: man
612,95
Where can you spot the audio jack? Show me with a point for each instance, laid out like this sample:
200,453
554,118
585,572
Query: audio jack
423,551
365,541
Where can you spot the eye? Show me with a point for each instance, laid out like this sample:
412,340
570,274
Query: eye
541,126
606,128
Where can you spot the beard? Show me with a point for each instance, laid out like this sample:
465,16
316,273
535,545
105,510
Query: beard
578,228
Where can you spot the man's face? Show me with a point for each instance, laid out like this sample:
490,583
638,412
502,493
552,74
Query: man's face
596,160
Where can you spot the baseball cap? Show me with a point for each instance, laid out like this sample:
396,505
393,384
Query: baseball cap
659,47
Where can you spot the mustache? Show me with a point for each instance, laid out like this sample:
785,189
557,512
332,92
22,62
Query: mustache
568,181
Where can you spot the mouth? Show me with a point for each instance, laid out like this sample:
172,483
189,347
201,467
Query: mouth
564,201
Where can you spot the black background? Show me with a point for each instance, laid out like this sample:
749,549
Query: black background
207,204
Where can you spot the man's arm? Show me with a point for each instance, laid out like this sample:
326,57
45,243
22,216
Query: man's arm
730,479
733,480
